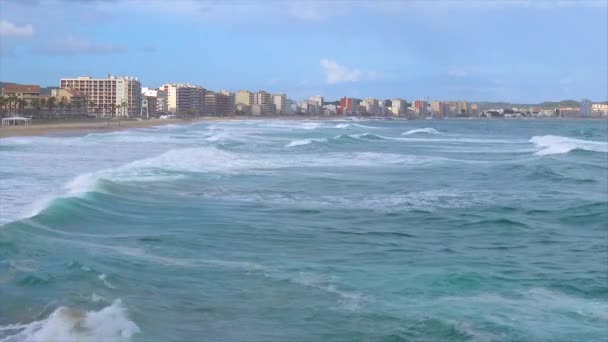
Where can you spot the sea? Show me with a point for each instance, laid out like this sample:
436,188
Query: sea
305,230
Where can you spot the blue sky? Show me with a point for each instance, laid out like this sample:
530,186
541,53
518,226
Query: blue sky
512,50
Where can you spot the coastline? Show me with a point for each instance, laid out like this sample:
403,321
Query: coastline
96,126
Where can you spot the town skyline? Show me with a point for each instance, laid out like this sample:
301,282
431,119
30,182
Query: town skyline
443,49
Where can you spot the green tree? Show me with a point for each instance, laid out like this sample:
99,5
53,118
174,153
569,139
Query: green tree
50,103
36,104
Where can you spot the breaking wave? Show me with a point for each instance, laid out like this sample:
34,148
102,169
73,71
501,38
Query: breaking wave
555,144
427,130
305,142
68,324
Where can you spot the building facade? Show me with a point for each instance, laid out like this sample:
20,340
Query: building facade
280,104
184,99
264,100
439,108
111,96
28,93
218,104
398,107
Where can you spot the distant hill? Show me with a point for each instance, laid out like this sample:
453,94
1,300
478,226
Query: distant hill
547,104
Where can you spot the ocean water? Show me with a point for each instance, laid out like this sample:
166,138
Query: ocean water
261,230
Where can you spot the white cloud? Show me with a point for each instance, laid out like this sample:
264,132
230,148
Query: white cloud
10,29
336,73
79,46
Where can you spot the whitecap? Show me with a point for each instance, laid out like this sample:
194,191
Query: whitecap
555,144
68,324
304,142
427,130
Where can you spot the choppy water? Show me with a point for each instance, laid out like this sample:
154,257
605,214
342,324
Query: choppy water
303,231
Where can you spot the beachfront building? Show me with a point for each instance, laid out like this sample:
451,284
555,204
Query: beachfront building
26,93
309,107
398,107
420,107
244,100
318,99
218,104
157,100
184,99
75,101
111,96
263,99
600,109
348,106
280,104
439,108
371,106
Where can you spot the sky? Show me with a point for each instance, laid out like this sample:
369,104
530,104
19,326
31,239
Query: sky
495,50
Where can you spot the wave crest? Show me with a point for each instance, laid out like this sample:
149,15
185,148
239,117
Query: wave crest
427,130
68,324
555,144
305,142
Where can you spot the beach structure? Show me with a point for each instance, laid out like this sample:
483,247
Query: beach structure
16,121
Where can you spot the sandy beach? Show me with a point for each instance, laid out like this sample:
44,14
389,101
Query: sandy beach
58,127
50,127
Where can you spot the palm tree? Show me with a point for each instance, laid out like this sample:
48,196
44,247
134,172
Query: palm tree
21,103
78,105
92,108
36,105
69,106
62,105
42,102
2,102
124,108
50,103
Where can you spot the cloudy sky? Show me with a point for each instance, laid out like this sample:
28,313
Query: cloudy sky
513,50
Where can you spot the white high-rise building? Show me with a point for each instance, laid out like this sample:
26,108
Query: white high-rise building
111,96
318,99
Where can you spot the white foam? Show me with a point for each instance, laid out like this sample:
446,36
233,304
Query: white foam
68,324
427,130
555,144
304,142
213,160
104,278
342,126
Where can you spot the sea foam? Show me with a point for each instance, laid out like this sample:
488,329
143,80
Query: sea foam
304,142
68,324
555,144
427,130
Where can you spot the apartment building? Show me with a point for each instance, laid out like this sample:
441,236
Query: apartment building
264,100
184,99
280,104
398,107
111,96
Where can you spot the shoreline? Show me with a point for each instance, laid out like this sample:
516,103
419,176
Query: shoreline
103,126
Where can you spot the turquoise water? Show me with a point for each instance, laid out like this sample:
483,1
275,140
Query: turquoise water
458,230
